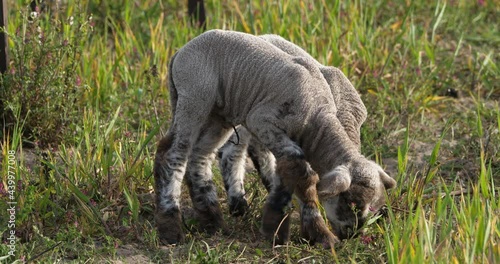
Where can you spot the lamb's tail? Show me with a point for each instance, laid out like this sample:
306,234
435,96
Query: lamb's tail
171,87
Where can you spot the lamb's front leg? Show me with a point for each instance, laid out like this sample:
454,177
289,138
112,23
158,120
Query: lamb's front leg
275,221
313,227
269,131
264,162
296,174
232,160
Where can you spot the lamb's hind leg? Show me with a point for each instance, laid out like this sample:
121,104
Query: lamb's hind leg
232,159
200,178
169,169
170,166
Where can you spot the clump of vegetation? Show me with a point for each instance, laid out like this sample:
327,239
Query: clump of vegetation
43,89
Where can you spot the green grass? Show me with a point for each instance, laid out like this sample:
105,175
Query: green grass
84,192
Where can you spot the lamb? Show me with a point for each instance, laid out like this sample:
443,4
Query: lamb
351,114
222,79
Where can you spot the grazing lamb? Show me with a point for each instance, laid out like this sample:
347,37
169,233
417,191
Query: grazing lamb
351,113
222,79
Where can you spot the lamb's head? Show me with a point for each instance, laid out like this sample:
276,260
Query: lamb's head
351,192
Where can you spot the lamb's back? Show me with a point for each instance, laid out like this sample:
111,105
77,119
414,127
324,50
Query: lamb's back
250,72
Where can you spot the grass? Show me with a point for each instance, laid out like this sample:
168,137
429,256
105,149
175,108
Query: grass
428,73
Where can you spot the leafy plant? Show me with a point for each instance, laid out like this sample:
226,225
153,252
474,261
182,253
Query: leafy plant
43,84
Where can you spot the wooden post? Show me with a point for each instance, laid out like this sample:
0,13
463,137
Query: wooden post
196,10
4,61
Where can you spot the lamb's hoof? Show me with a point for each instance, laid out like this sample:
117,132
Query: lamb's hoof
170,237
169,225
272,221
211,220
329,241
238,206
315,231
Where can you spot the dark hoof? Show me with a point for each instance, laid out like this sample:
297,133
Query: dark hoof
329,242
238,206
211,220
172,237
272,221
315,231
169,227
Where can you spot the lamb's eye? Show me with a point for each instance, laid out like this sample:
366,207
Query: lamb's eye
372,209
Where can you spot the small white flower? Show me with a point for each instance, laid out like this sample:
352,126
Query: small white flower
34,15
71,20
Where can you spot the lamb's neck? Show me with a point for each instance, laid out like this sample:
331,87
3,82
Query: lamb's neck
326,144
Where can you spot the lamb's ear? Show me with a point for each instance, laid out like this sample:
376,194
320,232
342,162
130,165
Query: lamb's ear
387,180
334,182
